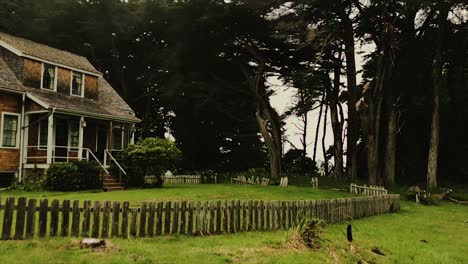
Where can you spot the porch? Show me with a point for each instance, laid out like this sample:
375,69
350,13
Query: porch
52,137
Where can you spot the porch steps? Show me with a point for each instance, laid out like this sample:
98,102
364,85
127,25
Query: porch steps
110,183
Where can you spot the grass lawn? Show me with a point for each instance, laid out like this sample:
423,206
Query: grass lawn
192,192
417,234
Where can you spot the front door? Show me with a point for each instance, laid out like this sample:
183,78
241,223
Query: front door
61,140
101,144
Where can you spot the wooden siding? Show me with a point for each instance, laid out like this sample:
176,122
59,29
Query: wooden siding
64,81
33,106
9,158
32,73
91,87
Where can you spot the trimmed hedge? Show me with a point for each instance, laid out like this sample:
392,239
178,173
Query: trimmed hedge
74,176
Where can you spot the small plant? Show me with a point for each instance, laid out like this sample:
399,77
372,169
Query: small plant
306,234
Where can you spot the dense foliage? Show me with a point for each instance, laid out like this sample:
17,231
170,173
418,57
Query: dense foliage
149,157
73,176
200,70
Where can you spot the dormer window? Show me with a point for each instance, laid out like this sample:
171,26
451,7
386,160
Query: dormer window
77,84
48,77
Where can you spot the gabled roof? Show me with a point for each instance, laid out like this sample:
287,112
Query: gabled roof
25,47
8,79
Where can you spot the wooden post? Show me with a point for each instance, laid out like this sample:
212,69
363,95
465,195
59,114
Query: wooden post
54,213
175,220
86,219
142,230
133,222
183,218
20,220
31,218
50,138
96,219
190,218
218,217
124,227
167,218
159,218
115,219
65,218
8,218
106,219
76,219
80,137
43,217
151,222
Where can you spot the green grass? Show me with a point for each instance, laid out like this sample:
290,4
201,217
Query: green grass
398,235
192,192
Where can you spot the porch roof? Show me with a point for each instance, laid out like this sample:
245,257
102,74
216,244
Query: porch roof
108,106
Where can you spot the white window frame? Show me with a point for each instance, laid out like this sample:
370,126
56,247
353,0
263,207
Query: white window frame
18,116
70,148
122,136
39,146
55,78
82,84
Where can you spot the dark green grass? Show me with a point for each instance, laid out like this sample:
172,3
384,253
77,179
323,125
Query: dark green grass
192,192
398,236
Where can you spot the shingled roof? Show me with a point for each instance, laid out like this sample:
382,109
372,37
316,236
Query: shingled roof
8,79
41,51
109,104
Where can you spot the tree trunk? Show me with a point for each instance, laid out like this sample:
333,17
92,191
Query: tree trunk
317,129
268,119
337,124
353,94
437,86
305,120
324,148
390,159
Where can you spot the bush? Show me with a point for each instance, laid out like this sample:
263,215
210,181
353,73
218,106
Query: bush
73,176
149,157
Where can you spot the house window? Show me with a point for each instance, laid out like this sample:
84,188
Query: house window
77,84
117,138
43,133
73,134
48,77
10,130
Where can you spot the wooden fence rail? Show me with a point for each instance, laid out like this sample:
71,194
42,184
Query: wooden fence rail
367,190
30,218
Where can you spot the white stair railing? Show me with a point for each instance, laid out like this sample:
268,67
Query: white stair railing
121,170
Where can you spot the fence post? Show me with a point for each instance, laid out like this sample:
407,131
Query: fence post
31,218
8,218
20,213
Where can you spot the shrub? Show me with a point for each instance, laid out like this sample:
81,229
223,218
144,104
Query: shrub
62,177
149,157
73,176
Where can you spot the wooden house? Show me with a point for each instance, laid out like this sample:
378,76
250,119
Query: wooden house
56,107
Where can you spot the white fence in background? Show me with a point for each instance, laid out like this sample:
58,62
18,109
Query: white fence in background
367,190
252,180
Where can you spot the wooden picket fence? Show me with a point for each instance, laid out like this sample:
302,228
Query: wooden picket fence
367,190
182,179
116,219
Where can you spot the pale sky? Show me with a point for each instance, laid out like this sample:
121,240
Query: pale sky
283,99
